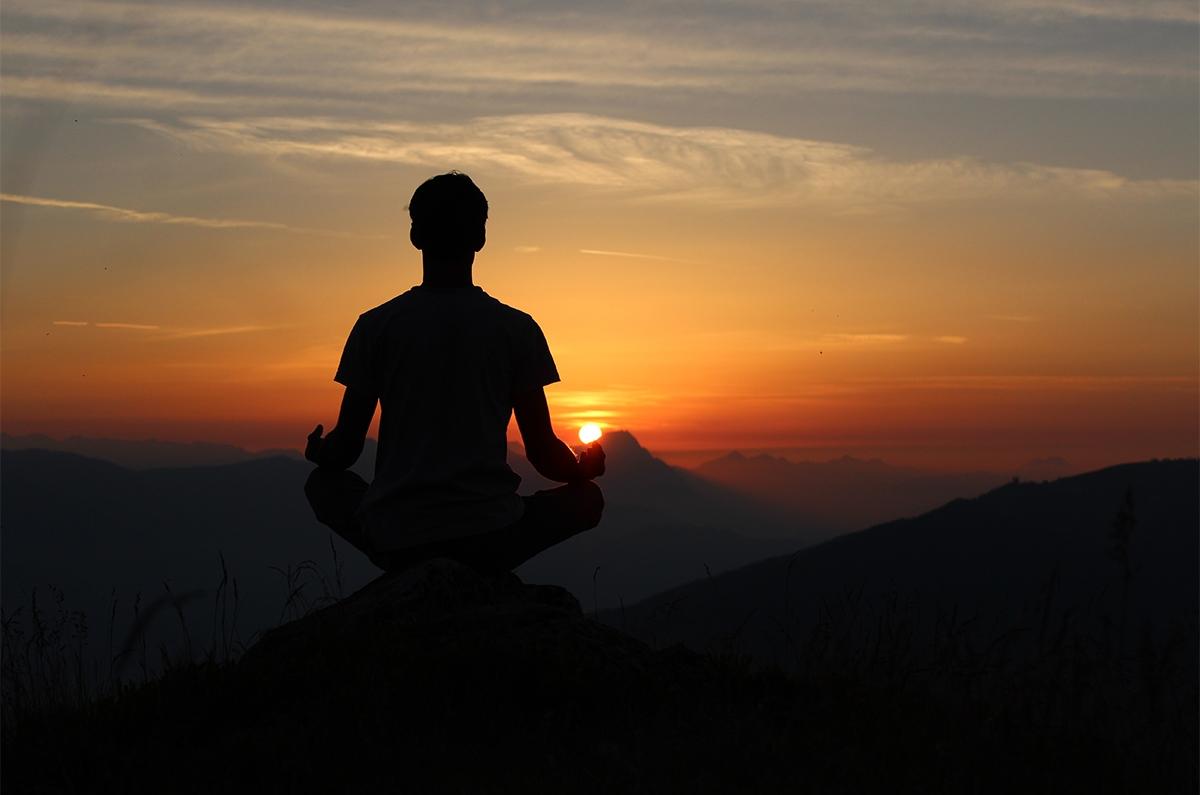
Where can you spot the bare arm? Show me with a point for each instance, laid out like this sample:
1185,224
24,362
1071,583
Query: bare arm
550,457
344,444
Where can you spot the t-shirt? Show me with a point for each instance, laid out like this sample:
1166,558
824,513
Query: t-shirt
445,363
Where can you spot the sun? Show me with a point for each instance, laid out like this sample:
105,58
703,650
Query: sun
589,433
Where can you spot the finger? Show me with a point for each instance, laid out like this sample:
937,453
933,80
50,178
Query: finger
317,431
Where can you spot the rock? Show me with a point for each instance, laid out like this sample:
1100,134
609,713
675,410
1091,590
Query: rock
439,680
443,608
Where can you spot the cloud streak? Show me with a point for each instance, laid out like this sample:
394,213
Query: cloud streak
109,212
106,325
190,55
630,255
654,162
1029,383
169,333
129,326
865,339
219,331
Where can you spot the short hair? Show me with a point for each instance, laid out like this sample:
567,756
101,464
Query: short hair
449,210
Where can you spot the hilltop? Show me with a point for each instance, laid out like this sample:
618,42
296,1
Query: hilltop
101,531
439,680
1118,545
830,493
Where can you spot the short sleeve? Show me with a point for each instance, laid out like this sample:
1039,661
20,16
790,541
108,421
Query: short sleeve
533,366
356,369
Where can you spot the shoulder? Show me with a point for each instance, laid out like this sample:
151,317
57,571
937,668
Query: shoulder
378,316
510,315
390,307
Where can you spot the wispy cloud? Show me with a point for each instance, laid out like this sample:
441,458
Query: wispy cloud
630,255
168,333
612,406
527,249
653,162
107,325
951,339
1180,11
1023,383
865,339
191,55
589,414
109,212
130,326
1014,318
218,331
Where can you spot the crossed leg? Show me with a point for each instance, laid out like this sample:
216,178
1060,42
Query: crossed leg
550,517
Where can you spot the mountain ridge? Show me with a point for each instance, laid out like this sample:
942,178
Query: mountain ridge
997,550
440,680
92,527
829,493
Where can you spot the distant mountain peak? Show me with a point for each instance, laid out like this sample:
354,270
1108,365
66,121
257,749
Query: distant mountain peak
1053,459
623,443
1048,468
738,458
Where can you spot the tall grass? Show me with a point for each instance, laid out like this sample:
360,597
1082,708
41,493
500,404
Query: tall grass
49,663
1081,696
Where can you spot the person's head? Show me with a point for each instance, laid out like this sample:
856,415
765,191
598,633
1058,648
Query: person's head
449,213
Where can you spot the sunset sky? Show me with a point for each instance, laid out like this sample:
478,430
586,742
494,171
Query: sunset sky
947,233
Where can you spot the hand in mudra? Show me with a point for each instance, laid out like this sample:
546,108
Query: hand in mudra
313,448
591,461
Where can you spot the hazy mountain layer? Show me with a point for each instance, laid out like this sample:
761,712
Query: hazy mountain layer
1104,552
141,453
830,493
95,530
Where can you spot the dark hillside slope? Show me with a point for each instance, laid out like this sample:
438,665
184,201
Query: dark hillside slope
92,528
438,680
996,558
141,453
830,493
661,524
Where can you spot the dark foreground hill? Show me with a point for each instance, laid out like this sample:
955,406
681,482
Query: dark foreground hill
108,536
661,524
114,540
830,493
438,680
1110,556
141,453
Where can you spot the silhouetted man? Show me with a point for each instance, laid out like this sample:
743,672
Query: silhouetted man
449,365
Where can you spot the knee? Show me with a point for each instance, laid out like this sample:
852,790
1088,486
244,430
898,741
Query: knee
589,502
330,491
319,490
332,481
319,482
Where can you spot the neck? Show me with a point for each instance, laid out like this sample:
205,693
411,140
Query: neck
442,270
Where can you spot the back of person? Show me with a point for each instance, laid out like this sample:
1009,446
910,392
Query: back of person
445,362
448,365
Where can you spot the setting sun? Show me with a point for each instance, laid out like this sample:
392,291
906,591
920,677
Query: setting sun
589,433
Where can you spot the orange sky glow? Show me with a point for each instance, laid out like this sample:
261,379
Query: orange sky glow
184,264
